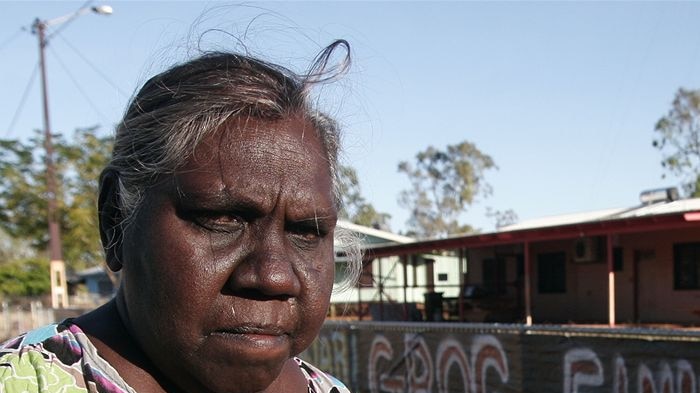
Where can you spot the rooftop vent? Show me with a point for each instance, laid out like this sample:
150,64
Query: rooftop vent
649,197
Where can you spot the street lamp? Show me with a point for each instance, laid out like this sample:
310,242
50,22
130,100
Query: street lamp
59,287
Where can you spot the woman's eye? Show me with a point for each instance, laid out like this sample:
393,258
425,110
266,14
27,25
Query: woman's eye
225,223
307,235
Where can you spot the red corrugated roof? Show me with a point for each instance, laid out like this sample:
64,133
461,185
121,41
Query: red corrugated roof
659,217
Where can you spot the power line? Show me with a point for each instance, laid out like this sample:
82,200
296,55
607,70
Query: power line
23,100
77,86
95,68
13,37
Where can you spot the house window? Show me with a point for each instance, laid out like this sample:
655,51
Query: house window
686,266
551,272
442,276
494,275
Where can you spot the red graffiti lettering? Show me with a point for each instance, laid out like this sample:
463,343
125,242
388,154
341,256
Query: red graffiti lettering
418,370
381,350
581,368
449,354
620,376
487,353
685,377
419,364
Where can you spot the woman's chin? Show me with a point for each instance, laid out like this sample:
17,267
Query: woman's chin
235,363
239,379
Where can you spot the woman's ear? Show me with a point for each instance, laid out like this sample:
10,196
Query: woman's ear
110,217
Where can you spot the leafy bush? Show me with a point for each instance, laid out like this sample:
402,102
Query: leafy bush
26,277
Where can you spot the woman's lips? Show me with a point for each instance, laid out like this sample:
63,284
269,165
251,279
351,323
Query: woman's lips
259,336
262,329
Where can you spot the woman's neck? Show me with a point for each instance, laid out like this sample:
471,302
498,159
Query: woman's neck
114,344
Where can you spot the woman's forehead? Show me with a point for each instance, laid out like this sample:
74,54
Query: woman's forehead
261,158
290,135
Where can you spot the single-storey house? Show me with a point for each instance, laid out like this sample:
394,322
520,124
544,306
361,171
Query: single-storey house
629,265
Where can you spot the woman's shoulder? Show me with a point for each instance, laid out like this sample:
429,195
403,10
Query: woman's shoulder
53,342
320,381
44,354
53,358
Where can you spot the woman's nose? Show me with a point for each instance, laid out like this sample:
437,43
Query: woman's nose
268,271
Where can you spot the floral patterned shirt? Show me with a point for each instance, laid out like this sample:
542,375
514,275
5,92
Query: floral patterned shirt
60,358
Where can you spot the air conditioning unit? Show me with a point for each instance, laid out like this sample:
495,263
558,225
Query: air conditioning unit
586,249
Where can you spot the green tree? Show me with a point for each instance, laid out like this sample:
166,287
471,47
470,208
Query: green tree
443,184
25,277
356,209
678,140
12,249
23,193
502,218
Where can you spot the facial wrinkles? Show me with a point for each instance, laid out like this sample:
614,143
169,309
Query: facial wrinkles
296,151
278,151
267,166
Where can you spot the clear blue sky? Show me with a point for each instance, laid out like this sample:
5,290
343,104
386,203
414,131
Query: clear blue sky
564,96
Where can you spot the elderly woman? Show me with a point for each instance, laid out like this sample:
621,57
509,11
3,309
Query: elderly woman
218,207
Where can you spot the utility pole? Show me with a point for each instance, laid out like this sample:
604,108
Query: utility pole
59,285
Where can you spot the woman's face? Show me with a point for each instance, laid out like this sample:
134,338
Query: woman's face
228,266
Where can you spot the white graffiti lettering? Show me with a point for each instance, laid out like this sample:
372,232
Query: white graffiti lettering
479,364
581,368
685,377
415,373
620,375
382,350
449,353
487,353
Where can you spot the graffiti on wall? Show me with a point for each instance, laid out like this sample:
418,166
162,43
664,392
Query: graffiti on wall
416,369
583,369
398,360
331,352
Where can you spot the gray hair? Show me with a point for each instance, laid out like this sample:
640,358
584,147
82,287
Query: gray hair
176,109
